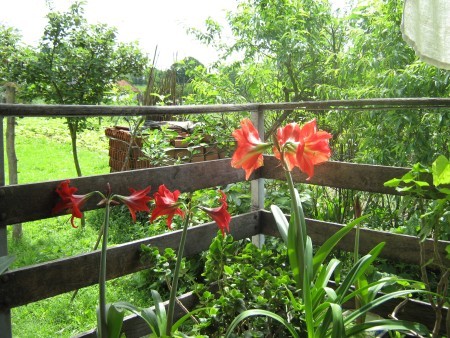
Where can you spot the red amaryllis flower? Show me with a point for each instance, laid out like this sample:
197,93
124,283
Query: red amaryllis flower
313,148
287,140
69,201
250,148
137,201
220,214
166,204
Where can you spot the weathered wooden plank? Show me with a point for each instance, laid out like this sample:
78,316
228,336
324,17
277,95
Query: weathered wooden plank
29,202
362,177
30,284
33,110
362,104
399,248
44,110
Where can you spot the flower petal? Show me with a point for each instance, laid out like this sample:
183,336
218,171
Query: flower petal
166,204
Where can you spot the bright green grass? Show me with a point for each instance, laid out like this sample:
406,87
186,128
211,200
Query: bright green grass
44,150
44,153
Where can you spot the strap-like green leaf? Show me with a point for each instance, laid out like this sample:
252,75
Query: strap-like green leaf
297,239
148,315
371,290
378,301
160,311
187,316
309,259
257,312
282,222
388,325
324,324
114,320
325,249
338,330
295,255
307,291
5,262
325,274
357,270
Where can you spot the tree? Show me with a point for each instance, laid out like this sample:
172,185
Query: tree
290,41
77,63
12,55
183,68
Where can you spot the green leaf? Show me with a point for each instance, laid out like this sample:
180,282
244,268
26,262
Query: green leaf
187,316
160,311
388,325
357,270
362,285
114,320
282,222
307,289
324,323
320,285
376,302
5,262
331,242
441,171
294,254
297,241
325,274
369,291
393,183
148,315
228,270
444,190
338,330
309,258
256,312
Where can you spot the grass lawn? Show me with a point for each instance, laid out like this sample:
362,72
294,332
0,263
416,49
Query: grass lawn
44,153
44,150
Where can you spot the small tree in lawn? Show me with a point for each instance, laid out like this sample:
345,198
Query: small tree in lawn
77,63
12,60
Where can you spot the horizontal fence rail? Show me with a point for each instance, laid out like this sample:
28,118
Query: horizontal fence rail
33,283
29,202
361,177
398,248
30,284
32,110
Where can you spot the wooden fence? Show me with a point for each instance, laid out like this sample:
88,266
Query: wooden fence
29,202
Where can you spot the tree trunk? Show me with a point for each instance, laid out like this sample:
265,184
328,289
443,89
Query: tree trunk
73,128
11,151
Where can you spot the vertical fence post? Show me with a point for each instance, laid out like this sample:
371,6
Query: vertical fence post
257,186
5,316
11,150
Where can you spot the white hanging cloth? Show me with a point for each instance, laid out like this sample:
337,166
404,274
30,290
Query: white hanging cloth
426,28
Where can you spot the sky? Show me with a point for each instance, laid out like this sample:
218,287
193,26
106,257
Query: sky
153,23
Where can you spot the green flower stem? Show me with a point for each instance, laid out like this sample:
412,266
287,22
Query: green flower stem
173,291
102,276
99,237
